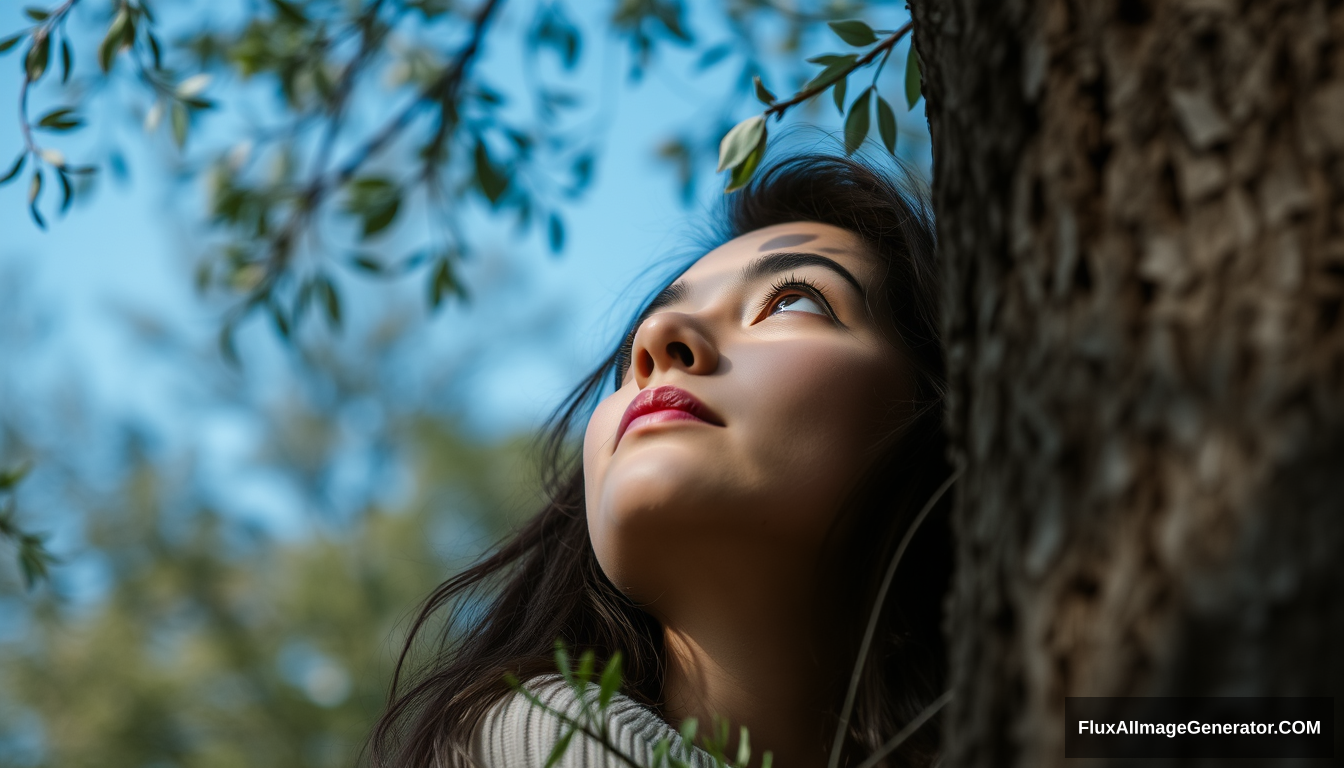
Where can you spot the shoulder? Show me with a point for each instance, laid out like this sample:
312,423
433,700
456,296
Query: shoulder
516,733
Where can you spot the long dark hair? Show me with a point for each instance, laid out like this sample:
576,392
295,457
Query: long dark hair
504,614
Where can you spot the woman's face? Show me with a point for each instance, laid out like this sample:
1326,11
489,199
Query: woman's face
757,388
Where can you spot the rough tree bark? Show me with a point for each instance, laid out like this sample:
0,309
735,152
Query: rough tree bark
1141,214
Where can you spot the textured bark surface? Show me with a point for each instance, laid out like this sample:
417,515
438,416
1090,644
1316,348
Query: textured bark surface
1141,211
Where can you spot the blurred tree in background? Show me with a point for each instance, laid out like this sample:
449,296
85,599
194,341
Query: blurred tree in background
215,645
175,634
328,138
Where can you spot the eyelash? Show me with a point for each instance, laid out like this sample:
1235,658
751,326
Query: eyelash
777,290
802,284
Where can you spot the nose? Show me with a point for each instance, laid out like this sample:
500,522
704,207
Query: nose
668,341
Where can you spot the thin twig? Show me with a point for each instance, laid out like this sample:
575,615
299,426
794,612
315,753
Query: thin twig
898,739
780,107
442,89
368,42
45,29
877,611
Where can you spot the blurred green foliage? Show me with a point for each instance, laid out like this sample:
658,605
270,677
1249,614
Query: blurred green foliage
214,643
380,107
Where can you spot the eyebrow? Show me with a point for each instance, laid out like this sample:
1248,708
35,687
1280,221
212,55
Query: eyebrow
771,263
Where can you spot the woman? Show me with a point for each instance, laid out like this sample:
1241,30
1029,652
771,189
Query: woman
774,430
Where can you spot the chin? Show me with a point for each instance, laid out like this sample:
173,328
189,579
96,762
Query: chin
657,488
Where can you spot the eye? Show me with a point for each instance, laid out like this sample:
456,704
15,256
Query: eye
797,294
798,303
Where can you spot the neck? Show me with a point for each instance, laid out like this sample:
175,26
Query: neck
757,668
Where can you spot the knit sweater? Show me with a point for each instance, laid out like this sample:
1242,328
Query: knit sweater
517,734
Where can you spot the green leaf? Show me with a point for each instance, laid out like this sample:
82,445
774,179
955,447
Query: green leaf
582,170
713,56
856,125
36,63
827,59
763,94
367,263
611,680
886,124
912,78
558,751
556,233
181,123
587,661
290,12
278,318
743,747
688,729
62,119
65,61
376,201
10,42
67,194
381,217
854,32
331,301
562,661
112,41
14,169
767,759
489,179
9,478
741,175
155,51
441,282
837,67
661,750
838,91
33,560
741,141
35,188
36,14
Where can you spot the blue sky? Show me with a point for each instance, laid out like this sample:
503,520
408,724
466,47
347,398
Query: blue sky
123,260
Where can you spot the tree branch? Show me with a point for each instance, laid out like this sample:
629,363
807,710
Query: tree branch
442,90
780,107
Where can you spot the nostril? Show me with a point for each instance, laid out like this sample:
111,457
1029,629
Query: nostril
682,353
644,364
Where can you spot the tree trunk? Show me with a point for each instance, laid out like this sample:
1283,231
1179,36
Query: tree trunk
1141,215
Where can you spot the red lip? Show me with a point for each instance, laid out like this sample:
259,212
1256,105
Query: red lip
678,404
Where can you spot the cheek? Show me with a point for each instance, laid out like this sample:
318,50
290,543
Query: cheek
597,439
597,458
816,412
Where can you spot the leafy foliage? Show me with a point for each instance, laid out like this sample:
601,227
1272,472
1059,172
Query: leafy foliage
215,643
33,557
834,75
299,198
595,699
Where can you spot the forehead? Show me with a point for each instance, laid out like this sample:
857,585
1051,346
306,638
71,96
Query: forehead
727,261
